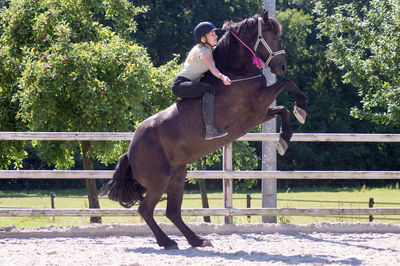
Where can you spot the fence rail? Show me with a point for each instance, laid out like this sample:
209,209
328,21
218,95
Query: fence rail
127,136
229,175
22,212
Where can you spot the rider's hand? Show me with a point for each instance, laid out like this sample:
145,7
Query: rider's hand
225,79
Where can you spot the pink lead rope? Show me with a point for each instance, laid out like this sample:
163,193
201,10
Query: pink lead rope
256,61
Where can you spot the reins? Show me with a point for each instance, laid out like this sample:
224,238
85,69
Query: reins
243,79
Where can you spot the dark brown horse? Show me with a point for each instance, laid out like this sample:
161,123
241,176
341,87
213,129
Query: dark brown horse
164,143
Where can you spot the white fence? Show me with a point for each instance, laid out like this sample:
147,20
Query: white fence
227,175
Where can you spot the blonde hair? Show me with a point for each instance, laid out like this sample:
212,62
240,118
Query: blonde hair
195,51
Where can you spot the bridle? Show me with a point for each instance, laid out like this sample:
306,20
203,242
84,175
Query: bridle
261,39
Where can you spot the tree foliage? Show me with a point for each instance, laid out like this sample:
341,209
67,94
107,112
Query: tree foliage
69,72
365,44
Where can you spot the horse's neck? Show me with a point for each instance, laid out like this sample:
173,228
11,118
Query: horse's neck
226,61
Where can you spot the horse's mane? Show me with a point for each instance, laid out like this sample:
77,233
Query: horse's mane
229,25
246,30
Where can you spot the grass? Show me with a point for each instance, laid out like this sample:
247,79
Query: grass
342,198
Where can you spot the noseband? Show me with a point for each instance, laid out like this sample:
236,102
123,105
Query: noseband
260,38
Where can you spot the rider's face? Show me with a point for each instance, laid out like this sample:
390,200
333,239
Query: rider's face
212,38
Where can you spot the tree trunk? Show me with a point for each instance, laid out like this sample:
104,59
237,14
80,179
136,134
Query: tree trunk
90,183
203,192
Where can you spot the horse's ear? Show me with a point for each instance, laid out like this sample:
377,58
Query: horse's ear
265,16
228,24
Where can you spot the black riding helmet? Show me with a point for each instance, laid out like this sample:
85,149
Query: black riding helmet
202,29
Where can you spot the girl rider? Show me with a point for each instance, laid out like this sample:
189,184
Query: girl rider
199,60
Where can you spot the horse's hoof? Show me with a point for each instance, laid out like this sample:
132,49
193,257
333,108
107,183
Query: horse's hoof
207,243
168,244
300,114
171,247
202,243
281,146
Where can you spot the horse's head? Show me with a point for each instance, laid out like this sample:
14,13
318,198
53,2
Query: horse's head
257,35
268,46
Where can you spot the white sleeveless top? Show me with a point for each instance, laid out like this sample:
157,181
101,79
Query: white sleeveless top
195,69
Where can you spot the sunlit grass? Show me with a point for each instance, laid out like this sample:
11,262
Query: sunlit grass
337,198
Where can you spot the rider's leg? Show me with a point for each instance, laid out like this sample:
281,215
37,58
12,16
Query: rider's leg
185,88
208,116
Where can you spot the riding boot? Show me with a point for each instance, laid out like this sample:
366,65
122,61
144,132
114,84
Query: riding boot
208,116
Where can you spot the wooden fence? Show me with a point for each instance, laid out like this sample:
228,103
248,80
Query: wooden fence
227,174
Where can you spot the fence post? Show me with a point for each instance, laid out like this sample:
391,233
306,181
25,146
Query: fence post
269,186
248,205
52,204
371,205
228,183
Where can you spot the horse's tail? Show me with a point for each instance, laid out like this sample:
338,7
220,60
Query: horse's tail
123,187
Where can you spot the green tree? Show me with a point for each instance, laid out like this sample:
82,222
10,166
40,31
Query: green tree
75,74
364,43
11,152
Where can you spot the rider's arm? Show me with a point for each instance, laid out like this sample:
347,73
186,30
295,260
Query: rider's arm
209,62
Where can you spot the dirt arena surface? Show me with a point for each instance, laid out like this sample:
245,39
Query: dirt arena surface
247,244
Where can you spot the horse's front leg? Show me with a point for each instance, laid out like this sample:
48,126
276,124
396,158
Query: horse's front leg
285,133
301,99
268,94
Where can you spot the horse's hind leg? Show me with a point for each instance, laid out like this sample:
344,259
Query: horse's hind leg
175,192
146,210
285,133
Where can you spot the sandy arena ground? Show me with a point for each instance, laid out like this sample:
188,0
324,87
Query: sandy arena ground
249,244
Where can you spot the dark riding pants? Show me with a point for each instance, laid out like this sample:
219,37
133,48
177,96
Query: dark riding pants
185,88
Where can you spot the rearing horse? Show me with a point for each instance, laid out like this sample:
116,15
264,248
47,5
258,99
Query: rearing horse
164,143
